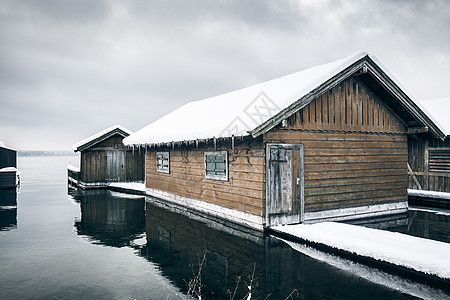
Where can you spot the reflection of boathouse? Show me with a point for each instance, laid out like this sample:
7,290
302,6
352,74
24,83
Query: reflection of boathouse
176,242
104,160
110,218
8,209
429,160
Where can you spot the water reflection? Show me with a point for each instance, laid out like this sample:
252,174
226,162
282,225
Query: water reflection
176,243
8,209
110,218
427,223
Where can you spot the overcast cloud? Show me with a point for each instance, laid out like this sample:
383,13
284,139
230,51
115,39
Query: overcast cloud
69,69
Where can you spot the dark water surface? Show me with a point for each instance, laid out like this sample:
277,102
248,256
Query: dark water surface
60,243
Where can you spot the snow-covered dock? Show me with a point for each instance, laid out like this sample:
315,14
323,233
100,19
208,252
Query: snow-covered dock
128,187
379,247
429,198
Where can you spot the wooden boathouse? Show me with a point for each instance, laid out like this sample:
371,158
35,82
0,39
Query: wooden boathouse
326,143
105,159
8,167
429,159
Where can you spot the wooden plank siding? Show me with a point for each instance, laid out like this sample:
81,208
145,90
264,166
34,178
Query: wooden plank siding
244,190
94,162
355,149
422,177
355,154
93,166
8,158
135,165
350,106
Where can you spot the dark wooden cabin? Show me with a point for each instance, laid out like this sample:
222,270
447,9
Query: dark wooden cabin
105,159
429,158
8,167
327,143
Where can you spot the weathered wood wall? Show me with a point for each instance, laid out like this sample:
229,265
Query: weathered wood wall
135,165
93,162
114,221
244,191
177,243
355,149
93,166
420,176
8,158
350,106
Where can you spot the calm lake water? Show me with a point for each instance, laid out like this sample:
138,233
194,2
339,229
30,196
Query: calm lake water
64,243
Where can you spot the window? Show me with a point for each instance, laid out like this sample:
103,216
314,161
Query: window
216,165
439,159
162,162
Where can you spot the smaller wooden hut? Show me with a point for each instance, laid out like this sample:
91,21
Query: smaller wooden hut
8,167
429,158
105,159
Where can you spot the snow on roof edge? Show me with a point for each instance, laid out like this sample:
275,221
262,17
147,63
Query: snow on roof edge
409,94
98,135
438,121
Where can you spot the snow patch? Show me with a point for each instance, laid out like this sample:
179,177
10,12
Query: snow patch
133,186
358,211
429,194
73,168
437,110
370,274
8,169
423,255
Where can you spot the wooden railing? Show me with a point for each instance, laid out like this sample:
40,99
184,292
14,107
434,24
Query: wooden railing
73,175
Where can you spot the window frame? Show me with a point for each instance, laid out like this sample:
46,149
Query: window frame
216,177
160,168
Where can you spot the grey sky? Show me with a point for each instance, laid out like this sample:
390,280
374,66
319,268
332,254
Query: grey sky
69,69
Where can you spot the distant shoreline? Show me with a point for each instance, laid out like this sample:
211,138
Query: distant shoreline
26,153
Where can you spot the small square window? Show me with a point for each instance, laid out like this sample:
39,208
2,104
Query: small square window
162,162
216,165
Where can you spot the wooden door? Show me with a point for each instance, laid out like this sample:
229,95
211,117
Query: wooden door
284,184
115,161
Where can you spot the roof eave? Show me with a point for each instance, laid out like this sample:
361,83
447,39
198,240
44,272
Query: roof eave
404,100
368,66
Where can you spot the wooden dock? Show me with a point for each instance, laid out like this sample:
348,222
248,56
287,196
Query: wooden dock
416,258
429,198
8,167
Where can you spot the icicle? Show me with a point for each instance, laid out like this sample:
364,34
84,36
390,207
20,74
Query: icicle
232,143
215,144
196,143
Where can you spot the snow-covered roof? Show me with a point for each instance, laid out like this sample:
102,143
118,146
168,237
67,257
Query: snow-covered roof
438,110
255,109
3,145
100,136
